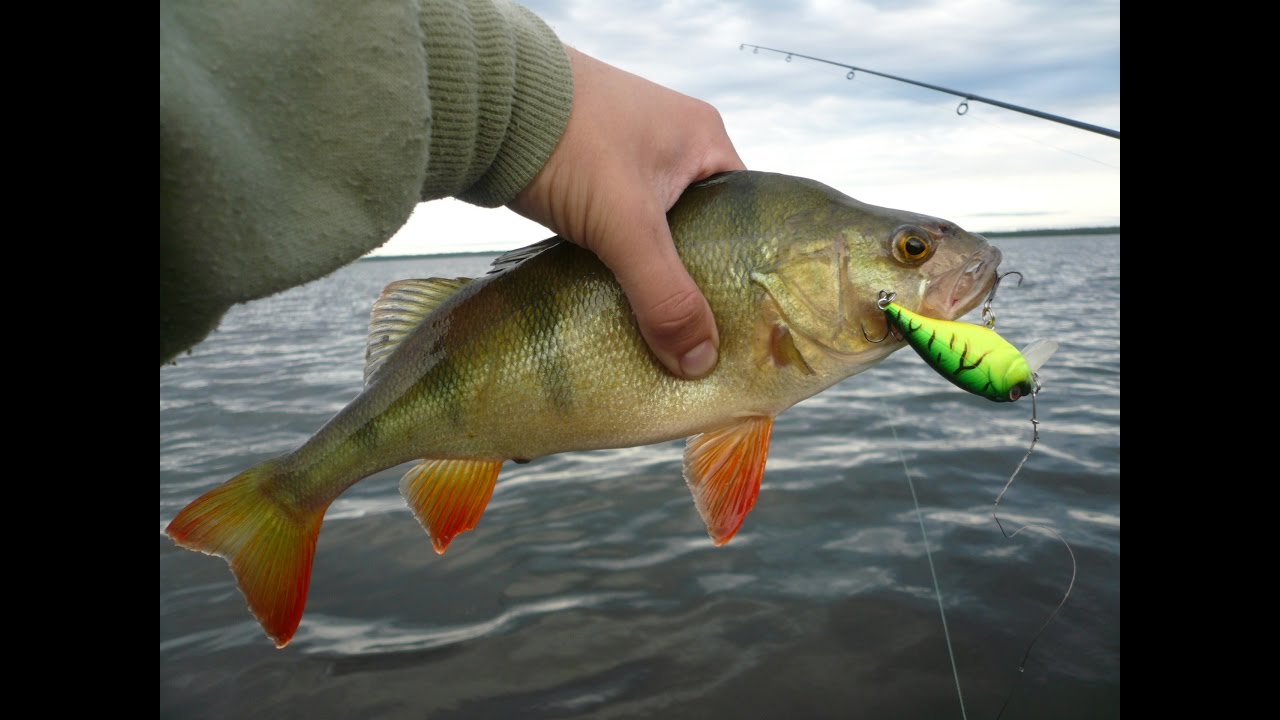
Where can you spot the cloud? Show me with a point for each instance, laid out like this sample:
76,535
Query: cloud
881,141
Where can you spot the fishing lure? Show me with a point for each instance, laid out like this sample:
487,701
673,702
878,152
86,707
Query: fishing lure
973,357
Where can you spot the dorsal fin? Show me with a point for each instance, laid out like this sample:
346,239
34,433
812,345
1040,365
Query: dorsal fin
401,308
512,258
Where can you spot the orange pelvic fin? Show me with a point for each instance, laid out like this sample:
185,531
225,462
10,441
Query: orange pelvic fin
269,547
449,496
724,468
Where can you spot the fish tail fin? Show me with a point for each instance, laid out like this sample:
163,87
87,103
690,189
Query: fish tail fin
269,546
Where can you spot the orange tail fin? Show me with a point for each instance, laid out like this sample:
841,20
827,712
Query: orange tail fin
269,547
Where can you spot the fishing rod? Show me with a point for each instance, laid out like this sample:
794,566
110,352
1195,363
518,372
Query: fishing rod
962,108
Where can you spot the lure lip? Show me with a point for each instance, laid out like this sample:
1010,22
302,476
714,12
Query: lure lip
963,287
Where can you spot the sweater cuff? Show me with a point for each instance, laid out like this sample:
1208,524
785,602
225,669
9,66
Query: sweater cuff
492,135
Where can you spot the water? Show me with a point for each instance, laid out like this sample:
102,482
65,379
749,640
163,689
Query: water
590,588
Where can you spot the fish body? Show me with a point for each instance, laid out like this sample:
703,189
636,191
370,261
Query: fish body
543,355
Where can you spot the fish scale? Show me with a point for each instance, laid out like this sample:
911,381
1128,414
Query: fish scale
543,355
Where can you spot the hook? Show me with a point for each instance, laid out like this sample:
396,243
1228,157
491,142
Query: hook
988,316
882,302
888,330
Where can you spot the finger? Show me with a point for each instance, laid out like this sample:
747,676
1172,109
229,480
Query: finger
673,315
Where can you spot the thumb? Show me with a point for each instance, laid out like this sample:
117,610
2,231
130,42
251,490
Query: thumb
674,317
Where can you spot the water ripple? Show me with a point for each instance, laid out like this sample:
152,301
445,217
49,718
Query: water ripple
590,587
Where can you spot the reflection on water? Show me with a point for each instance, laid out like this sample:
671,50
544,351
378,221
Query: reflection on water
590,588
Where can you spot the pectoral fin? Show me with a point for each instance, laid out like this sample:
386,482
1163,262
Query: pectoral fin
449,496
724,468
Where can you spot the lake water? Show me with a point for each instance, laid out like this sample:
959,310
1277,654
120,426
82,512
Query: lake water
590,588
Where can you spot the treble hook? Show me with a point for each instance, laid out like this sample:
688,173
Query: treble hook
888,331
882,302
988,315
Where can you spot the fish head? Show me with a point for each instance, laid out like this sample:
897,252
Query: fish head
935,267
834,258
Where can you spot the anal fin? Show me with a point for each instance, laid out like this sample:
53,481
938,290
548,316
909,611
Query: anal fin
723,469
449,496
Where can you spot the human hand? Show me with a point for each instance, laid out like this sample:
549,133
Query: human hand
629,150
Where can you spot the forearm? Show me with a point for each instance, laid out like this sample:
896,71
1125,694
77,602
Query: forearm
292,144
500,90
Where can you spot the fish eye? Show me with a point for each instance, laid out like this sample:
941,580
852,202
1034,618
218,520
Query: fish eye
912,245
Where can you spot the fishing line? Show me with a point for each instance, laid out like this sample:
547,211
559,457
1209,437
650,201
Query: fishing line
937,589
1028,138
1035,437
989,318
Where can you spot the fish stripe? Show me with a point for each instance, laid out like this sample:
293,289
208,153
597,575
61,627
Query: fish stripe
554,364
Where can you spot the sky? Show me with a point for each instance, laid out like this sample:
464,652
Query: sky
880,141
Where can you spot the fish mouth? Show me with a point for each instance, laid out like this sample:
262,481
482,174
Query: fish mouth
960,289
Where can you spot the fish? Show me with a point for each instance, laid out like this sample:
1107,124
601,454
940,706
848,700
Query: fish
543,355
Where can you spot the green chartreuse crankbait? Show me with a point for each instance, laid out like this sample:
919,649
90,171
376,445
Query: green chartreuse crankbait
973,357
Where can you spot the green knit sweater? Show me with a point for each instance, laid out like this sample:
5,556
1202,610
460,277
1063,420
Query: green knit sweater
296,137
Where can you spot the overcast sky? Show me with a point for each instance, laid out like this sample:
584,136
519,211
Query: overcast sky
877,140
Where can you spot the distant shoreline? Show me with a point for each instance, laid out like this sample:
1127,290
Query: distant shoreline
473,253
1115,230
1112,230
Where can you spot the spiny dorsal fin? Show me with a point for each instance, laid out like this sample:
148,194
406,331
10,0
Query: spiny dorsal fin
401,308
724,468
513,258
